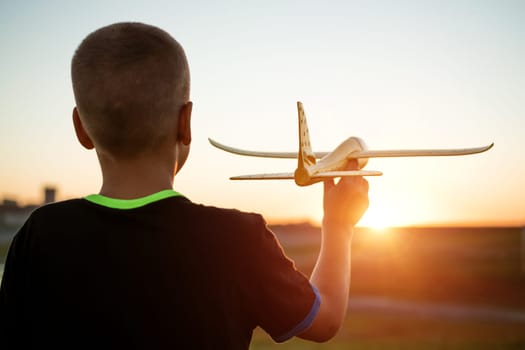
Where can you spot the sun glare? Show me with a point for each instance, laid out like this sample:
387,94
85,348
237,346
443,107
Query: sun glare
377,218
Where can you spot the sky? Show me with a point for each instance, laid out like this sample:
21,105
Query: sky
398,74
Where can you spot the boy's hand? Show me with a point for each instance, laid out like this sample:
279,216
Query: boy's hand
346,202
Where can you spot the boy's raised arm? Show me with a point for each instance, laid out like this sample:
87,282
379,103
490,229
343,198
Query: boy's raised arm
344,204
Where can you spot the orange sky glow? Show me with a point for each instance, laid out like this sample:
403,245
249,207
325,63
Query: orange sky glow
397,74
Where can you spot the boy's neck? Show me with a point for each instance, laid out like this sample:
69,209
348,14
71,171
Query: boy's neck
135,178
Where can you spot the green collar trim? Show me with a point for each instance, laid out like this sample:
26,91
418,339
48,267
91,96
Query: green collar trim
131,203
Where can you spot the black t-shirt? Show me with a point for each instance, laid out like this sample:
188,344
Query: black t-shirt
156,272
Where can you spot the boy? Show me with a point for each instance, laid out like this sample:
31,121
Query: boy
140,266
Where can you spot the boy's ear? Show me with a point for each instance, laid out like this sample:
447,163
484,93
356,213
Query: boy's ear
82,135
184,127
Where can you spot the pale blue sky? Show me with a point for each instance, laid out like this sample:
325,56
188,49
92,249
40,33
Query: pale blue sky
398,74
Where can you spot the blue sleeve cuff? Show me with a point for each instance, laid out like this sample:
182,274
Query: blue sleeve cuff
306,322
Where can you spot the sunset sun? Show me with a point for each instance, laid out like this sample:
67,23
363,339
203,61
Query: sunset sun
378,217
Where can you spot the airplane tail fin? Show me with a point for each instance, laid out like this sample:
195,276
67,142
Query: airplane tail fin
305,157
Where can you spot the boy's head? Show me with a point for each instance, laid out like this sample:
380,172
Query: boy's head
130,81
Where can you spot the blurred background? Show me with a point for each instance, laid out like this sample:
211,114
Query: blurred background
438,258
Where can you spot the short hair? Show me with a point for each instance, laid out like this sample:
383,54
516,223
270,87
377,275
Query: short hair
130,81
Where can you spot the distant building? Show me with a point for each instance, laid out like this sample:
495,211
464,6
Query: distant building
49,194
13,216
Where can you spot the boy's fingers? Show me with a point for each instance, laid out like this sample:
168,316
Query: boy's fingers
354,184
352,164
328,184
360,184
364,184
348,182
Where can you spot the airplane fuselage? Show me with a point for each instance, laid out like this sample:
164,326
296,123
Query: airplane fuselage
333,161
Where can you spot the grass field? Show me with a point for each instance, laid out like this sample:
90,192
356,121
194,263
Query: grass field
472,269
372,331
474,266
3,251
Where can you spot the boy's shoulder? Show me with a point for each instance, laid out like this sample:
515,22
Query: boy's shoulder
51,210
226,214
229,223
178,208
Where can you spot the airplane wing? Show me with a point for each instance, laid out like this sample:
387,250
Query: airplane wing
362,154
243,152
420,152
344,173
274,176
325,175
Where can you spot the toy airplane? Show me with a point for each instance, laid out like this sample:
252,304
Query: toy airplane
331,164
